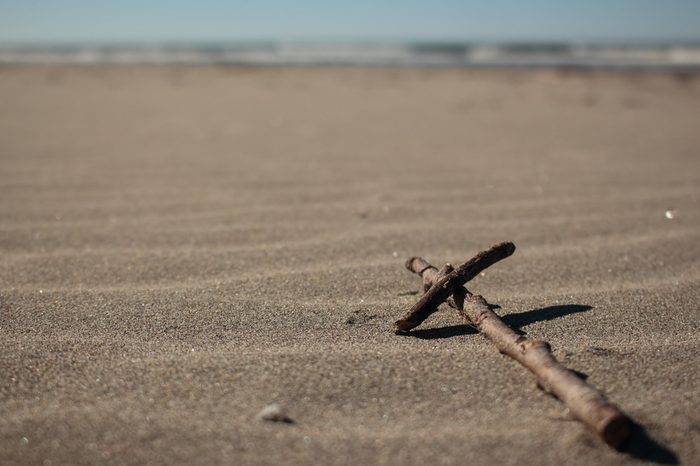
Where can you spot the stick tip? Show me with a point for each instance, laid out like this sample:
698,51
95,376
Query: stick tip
403,326
616,430
410,261
508,247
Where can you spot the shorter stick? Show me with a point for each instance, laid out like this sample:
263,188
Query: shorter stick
445,285
583,401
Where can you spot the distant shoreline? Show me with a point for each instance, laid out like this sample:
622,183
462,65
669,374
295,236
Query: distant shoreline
632,57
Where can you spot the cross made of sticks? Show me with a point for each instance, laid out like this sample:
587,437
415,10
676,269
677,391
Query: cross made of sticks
447,285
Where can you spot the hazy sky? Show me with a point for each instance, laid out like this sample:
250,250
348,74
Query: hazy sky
212,20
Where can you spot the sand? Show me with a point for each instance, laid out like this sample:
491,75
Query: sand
182,246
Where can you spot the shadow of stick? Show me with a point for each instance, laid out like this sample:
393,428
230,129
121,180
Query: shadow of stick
515,321
643,447
521,319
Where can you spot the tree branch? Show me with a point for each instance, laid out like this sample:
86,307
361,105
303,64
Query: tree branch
584,401
445,285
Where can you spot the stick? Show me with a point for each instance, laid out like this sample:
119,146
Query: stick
445,285
583,401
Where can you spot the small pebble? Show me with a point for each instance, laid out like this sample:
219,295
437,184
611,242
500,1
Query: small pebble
274,413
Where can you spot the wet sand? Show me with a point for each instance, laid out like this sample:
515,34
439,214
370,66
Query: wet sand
182,246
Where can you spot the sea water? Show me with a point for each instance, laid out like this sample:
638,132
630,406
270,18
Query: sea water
684,56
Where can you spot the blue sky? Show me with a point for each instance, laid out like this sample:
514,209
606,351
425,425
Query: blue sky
220,20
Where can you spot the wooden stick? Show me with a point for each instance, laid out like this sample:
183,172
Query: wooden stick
583,401
445,285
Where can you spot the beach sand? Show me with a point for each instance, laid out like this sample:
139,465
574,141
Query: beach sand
182,246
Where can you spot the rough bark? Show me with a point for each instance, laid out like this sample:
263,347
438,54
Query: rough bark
583,400
445,285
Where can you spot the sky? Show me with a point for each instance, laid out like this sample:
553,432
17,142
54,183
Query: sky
36,21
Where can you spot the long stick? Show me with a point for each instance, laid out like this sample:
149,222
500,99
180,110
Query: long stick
584,401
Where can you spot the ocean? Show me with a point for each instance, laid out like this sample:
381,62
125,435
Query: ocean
681,56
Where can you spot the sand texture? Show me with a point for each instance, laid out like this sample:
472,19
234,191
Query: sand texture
182,246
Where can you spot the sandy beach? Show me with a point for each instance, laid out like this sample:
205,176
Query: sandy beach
183,245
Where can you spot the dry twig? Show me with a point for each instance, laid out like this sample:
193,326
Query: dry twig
583,401
445,285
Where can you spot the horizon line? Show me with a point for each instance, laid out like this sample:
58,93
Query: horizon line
352,41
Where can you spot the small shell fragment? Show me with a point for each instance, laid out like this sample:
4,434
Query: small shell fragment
273,413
